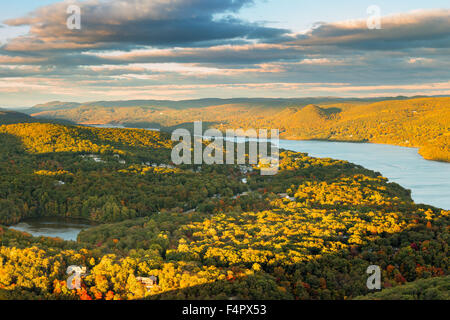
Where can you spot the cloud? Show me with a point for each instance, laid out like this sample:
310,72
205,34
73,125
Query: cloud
131,23
420,60
193,48
222,54
420,28
15,60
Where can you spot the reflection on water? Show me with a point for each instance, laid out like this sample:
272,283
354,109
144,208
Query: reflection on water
66,229
119,126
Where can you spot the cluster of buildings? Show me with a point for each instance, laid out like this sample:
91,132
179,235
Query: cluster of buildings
93,157
97,159
155,165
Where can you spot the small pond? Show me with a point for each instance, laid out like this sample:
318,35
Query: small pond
64,228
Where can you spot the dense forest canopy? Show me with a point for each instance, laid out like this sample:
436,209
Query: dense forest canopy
309,232
424,289
419,122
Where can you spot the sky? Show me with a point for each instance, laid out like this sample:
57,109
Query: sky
188,49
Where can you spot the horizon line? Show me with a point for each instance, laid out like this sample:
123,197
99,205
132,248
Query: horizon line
234,98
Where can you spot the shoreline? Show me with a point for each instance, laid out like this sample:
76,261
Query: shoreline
292,138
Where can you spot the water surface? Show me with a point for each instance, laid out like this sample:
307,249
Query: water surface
428,180
66,229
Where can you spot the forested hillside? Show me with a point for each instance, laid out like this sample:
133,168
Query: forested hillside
9,117
14,117
420,122
425,289
210,232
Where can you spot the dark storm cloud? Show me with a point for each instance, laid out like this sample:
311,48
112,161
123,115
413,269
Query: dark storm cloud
159,23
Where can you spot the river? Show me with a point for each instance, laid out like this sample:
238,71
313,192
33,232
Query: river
429,181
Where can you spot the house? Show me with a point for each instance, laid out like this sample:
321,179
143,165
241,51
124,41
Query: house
269,160
241,195
245,169
166,166
148,282
93,157
286,196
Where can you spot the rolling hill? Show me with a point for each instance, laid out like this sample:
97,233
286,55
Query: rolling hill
10,117
419,122
14,117
424,289
202,231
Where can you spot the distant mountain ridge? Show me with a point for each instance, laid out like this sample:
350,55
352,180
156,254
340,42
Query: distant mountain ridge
402,121
203,103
